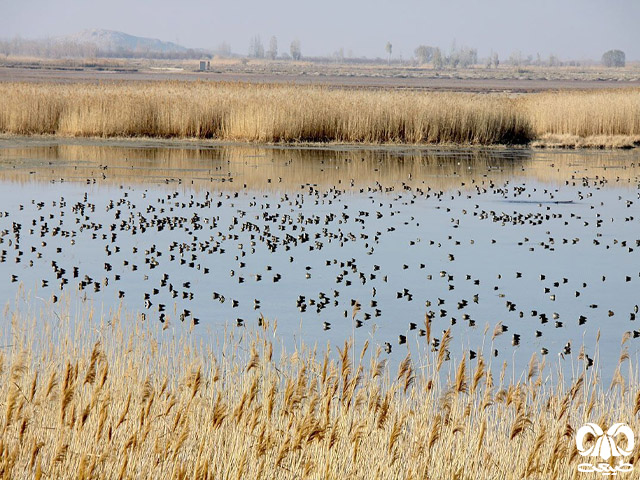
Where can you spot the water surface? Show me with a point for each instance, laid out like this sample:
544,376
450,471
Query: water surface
544,244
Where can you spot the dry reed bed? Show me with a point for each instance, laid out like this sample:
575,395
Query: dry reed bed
124,399
277,113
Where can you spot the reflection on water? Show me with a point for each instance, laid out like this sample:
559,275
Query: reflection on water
275,168
518,252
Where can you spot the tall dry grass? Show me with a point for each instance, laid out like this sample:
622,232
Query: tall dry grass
258,113
584,114
116,398
287,113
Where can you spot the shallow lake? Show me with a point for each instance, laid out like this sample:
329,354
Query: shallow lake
517,252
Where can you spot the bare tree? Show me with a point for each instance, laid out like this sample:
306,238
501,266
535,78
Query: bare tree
272,53
424,54
256,49
296,53
224,49
438,61
614,58
463,57
515,58
388,48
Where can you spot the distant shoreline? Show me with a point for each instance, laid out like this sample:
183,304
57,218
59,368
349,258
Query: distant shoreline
550,144
506,80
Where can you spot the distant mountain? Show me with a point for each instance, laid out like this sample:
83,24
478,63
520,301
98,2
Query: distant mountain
112,41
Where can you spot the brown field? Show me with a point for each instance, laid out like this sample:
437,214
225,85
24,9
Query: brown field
117,397
405,76
295,113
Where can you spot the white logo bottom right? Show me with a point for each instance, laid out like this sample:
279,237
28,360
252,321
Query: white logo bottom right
605,447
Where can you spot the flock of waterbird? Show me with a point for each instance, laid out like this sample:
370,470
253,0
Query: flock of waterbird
392,258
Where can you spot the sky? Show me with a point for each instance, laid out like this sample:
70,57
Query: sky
569,29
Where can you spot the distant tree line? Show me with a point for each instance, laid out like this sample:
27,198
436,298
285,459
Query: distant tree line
464,57
457,57
70,49
52,48
256,49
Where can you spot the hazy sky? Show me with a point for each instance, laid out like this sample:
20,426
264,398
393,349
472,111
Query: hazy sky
576,29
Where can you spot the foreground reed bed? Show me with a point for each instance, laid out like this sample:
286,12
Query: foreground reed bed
277,113
119,398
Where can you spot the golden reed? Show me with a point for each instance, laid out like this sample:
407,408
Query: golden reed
119,397
288,113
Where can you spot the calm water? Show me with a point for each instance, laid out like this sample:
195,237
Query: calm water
546,244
